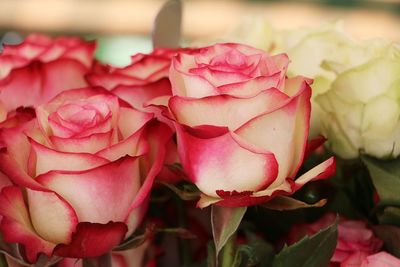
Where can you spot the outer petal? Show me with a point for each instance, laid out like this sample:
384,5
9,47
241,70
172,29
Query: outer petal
98,195
222,163
137,95
158,134
284,132
43,80
16,225
131,120
48,160
147,67
321,171
92,240
112,80
15,173
52,217
224,110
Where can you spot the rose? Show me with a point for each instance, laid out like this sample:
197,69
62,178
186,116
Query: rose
36,70
86,166
241,126
360,107
381,259
354,237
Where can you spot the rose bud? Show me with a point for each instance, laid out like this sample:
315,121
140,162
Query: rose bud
81,173
242,127
39,68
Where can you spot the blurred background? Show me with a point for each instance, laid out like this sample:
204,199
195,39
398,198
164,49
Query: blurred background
123,27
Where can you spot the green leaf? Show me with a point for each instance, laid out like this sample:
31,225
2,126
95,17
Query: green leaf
224,222
287,203
211,256
184,194
256,253
390,215
313,251
137,239
386,179
391,237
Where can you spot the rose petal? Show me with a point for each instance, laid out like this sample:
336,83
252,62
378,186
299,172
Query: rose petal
283,132
101,194
16,225
52,217
321,171
158,134
43,80
224,110
221,163
92,240
131,120
137,95
188,85
89,144
134,145
15,173
48,160
112,80
146,67
250,87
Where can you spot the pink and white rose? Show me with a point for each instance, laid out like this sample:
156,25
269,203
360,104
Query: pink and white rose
242,126
39,68
355,241
81,174
380,259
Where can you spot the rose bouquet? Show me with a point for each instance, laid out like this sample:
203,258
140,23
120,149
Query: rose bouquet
201,156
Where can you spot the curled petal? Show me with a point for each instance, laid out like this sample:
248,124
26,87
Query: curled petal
284,132
101,194
225,163
92,240
251,87
158,134
43,80
52,217
131,120
89,144
224,110
137,95
16,225
48,159
321,171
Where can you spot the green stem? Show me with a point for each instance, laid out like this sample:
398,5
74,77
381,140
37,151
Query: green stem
184,245
228,252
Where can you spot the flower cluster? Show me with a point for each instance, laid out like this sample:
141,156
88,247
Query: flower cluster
85,148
